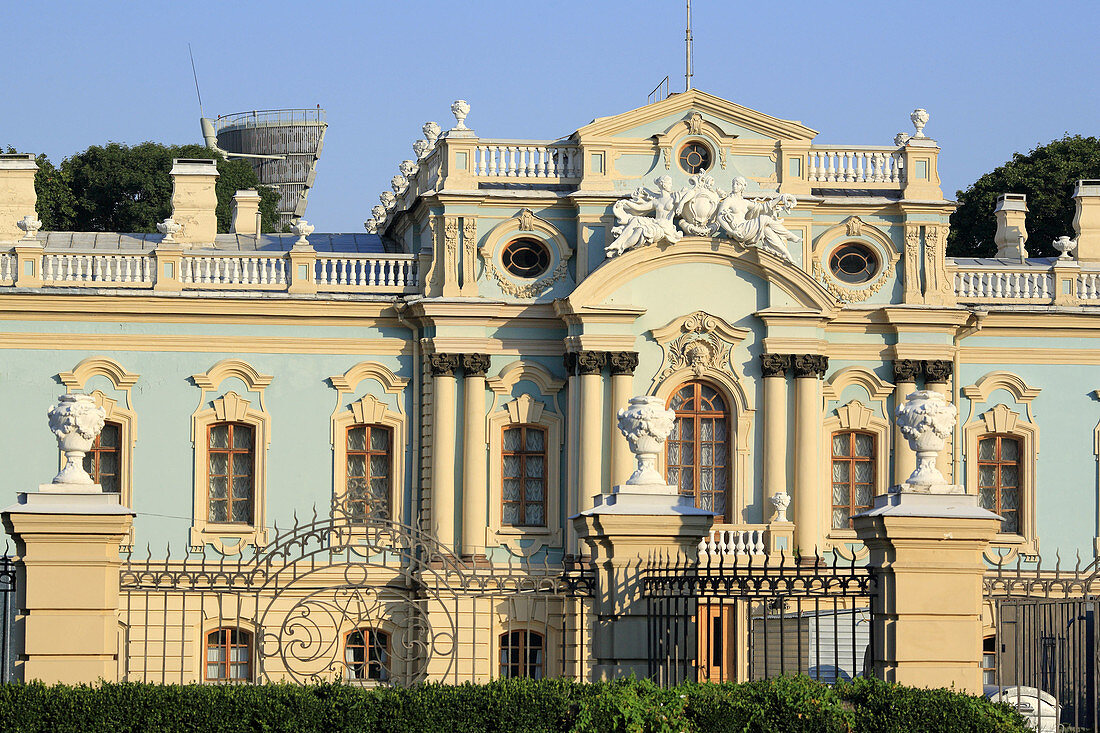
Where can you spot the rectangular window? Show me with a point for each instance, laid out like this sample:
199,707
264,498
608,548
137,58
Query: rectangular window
367,655
104,461
853,475
367,480
524,477
229,655
522,654
999,479
230,463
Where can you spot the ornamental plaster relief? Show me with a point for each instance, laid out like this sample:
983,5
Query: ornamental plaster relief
699,342
525,222
853,229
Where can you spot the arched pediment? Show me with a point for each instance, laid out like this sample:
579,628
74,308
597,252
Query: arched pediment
617,271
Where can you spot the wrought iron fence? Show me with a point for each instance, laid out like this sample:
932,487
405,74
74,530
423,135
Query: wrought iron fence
740,617
373,601
9,649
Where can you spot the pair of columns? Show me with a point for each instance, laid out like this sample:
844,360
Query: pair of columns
809,370
936,374
474,480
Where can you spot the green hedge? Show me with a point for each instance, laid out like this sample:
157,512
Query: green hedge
785,704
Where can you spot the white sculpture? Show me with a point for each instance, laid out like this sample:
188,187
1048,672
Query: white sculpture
901,138
302,229
780,502
371,225
169,228
388,200
697,205
76,421
635,225
919,118
1065,245
421,148
460,108
378,211
399,184
646,424
29,225
408,168
431,131
756,223
926,421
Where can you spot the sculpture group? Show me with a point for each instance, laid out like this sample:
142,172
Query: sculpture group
701,209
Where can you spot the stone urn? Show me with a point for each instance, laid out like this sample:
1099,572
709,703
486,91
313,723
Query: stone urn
460,108
919,118
780,502
431,131
76,421
646,424
420,148
926,421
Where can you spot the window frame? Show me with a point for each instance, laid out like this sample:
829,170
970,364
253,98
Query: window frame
368,410
524,649
523,454
368,476
681,149
852,459
697,444
854,415
998,463
368,634
96,452
230,451
248,644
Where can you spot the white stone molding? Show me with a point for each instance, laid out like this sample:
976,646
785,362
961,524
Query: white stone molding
349,380
368,410
982,389
529,224
699,342
698,127
103,366
854,229
877,389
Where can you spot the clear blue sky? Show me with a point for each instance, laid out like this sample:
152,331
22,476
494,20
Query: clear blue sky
996,77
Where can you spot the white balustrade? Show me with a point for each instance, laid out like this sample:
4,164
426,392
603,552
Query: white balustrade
1088,286
7,267
526,161
1004,285
733,542
394,271
257,271
83,269
854,166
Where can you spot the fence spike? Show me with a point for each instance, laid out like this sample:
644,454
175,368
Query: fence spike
1057,561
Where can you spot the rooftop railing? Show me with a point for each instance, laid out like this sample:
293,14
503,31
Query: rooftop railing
271,116
859,165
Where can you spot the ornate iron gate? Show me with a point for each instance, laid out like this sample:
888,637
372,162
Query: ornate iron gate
741,617
289,610
9,651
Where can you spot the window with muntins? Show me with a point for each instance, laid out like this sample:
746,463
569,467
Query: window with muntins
367,478
523,474
104,461
367,655
697,451
522,654
228,655
999,478
853,475
231,464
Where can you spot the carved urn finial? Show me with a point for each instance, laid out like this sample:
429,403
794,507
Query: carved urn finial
421,148
29,225
431,131
303,229
919,117
75,421
460,108
169,228
780,502
901,138
399,183
646,424
388,199
408,168
926,421
1065,245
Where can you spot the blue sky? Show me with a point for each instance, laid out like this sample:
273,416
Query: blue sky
996,77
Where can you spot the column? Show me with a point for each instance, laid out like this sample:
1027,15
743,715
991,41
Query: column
937,373
443,368
808,486
623,364
590,366
773,368
905,383
572,450
474,474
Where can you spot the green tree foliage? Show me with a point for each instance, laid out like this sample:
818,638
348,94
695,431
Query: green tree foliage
1047,175
118,188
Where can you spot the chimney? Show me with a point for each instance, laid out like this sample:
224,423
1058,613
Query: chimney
194,200
1011,234
1086,221
17,196
245,215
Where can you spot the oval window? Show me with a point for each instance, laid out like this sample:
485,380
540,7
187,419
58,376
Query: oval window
695,157
527,258
853,263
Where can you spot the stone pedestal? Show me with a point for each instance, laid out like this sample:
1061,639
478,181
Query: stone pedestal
927,550
69,544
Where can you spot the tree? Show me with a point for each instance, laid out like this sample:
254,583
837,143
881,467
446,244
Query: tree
1047,175
118,188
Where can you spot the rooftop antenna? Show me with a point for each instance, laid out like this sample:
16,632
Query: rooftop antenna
196,75
688,75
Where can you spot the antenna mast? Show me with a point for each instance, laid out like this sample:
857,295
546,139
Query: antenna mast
688,75
196,75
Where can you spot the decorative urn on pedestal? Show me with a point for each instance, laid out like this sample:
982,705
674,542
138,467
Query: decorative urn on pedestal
75,421
646,425
926,421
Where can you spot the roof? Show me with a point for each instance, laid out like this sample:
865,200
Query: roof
110,241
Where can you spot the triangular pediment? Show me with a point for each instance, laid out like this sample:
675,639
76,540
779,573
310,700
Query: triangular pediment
644,121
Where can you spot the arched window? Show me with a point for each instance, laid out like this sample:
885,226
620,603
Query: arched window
522,654
853,475
523,474
228,655
104,461
367,478
999,478
697,451
230,462
367,654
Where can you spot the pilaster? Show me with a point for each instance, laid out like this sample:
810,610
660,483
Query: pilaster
913,292
443,368
809,369
623,364
774,369
905,383
590,366
938,287
474,450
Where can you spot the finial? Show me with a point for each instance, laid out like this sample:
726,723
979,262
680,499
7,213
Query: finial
76,421
30,225
460,108
303,229
169,228
919,117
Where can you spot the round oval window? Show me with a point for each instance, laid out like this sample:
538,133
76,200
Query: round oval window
525,258
695,157
853,263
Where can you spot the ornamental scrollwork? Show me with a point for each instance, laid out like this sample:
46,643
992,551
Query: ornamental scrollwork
698,341
846,294
528,290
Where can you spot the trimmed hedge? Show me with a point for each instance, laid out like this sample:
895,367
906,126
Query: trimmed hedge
781,705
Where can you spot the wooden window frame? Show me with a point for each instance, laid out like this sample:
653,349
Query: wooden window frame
697,443
368,410
368,635
998,463
852,459
224,633
230,451
524,648
855,415
523,454
97,451
348,501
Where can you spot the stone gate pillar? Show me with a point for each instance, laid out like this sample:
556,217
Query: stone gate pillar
67,535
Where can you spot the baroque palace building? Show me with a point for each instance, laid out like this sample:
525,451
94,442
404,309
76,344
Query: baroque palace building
457,370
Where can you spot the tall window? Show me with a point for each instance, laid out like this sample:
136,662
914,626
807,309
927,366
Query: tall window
229,655
853,475
367,655
231,461
522,654
698,448
523,499
999,478
103,462
368,472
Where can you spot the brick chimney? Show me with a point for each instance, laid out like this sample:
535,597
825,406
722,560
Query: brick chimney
1011,234
17,195
194,200
1086,221
245,214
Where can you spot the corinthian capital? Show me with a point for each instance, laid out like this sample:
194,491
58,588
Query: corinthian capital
937,371
443,365
623,362
591,362
475,365
810,365
775,365
906,370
